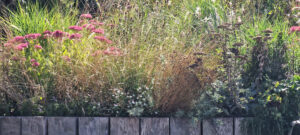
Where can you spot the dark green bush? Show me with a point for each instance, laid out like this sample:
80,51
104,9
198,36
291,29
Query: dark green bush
276,108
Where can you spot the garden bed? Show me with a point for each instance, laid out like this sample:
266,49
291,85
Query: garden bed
197,59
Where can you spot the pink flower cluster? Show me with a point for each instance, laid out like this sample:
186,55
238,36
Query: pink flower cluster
96,53
38,47
7,44
17,39
47,34
32,36
98,31
34,63
75,36
103,39
90,27
58,34
76,28
112,51
21,46
87,16
66,58
94,22
295,29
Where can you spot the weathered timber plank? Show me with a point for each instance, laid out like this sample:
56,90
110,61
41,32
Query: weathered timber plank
124,126
155,126
33,126
181,126
93,126
218,126
10,126
61,126
238,124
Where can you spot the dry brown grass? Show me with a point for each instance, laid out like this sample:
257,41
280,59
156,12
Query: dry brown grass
183,79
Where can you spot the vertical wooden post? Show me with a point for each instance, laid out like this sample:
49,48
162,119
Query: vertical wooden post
182,126
10,126
218,126
93,126
124,126
155,126
62,125
33,126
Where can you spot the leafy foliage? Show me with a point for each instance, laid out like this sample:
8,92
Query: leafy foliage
276,108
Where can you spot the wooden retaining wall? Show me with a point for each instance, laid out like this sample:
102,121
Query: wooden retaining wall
117,126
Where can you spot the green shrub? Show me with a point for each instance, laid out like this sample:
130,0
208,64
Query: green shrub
276,108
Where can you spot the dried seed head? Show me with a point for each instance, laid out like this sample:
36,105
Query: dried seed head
199,53
227,24
238,24
258,38
267,38
217,35
235,51
222,26
243,57
268,31
238,44
193,65
267,34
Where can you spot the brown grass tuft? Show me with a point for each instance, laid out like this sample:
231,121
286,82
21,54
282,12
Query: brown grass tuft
183,80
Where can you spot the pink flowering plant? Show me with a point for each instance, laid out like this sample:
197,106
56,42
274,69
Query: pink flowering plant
64,51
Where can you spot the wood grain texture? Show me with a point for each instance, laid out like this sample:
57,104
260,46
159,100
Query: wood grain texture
238,126
10,126
218,126
62,126
93,126
33,126
155,126
181,126
124,126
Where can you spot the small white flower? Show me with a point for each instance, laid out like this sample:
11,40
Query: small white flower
206,19
239,19
243,9
177,21
169,3
197,11
296,8
298,22
295,122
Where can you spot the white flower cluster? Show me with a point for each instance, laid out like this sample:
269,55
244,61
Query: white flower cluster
134,101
